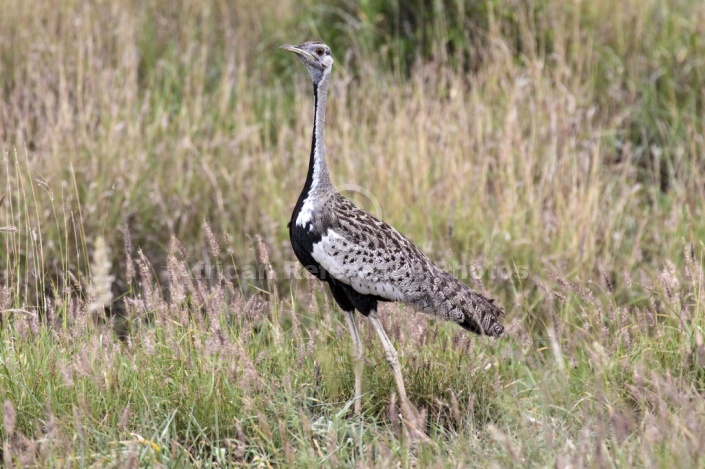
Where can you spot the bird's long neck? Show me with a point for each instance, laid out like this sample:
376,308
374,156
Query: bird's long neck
318,179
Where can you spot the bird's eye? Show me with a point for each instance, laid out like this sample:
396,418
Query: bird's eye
319,51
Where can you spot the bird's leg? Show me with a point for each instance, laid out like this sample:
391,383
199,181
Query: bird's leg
407,409
358,358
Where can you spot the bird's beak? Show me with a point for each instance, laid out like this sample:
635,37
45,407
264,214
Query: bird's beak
298,51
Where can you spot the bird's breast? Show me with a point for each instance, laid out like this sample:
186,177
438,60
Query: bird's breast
305,214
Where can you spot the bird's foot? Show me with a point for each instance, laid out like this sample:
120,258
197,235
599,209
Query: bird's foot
414,425
414,422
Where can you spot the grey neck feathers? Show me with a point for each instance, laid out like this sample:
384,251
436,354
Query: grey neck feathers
321,179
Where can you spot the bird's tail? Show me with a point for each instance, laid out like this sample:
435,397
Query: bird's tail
484,320
452,300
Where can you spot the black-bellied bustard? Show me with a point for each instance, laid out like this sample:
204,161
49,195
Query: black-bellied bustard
363,259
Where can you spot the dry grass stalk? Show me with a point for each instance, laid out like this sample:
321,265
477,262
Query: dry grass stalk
99,290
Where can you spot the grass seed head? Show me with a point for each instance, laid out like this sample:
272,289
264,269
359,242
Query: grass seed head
9,417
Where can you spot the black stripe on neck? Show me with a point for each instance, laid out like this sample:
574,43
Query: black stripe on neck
312,160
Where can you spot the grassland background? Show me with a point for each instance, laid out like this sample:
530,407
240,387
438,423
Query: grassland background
141,138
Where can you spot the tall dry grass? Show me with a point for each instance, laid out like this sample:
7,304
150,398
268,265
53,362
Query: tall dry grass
147,141
212,376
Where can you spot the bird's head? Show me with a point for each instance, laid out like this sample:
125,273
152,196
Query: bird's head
316,56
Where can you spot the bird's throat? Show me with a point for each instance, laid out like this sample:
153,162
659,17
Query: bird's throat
317,180
318,166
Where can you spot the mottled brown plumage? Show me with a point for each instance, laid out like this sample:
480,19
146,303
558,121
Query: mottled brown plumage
363,259
375,259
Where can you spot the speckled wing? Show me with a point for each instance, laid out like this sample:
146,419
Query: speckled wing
367,254
375,259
